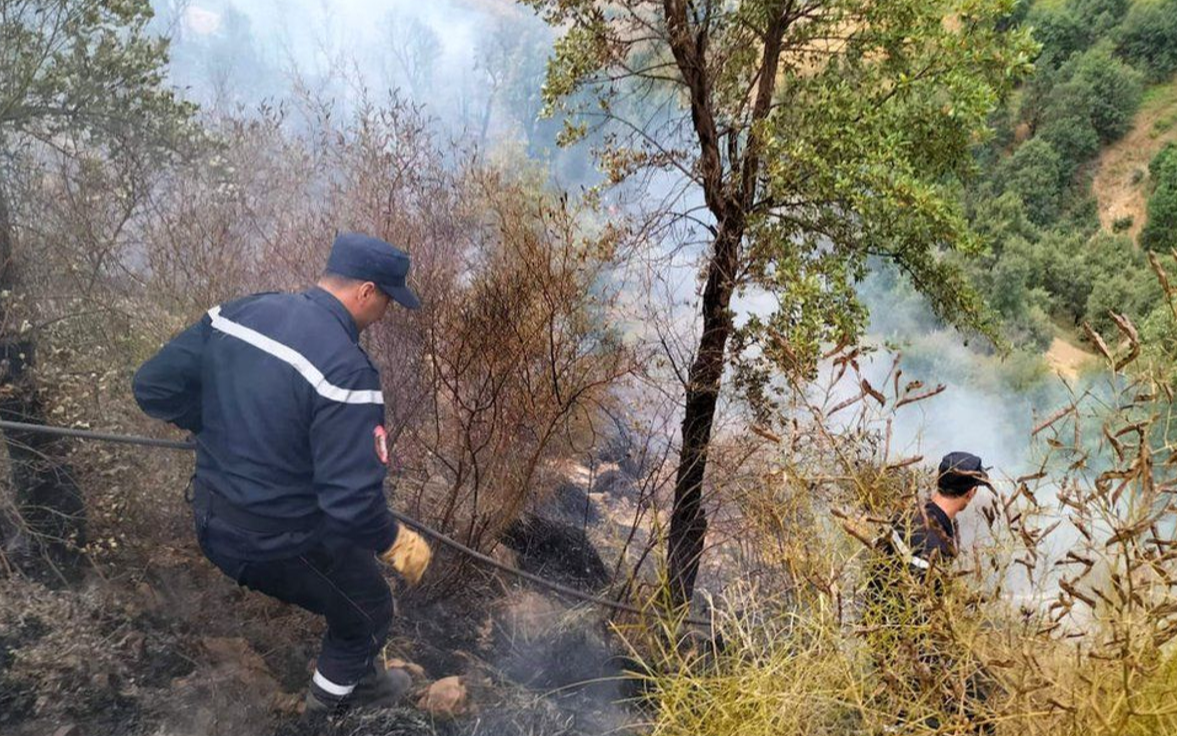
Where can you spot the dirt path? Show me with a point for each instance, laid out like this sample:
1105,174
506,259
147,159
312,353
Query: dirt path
1113,186
1066,359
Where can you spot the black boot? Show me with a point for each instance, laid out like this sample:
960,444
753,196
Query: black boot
381,688
320,707
316,714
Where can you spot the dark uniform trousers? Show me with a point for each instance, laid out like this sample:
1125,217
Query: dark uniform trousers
343,584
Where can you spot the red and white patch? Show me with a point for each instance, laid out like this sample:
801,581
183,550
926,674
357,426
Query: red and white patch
380,436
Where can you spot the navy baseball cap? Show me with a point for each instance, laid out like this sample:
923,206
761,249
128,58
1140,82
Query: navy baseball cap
961,472
363,257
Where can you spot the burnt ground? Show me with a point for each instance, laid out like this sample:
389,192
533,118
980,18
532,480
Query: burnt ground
556,550
154,640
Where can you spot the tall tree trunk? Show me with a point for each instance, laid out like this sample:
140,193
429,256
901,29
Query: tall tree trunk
688,521
730,205
50,523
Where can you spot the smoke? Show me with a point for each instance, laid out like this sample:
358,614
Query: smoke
990,407
238,53
476,66
990,400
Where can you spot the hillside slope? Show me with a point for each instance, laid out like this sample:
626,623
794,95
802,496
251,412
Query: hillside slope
1120,191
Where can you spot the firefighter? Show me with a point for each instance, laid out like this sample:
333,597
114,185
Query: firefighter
288,494
912,645
929,534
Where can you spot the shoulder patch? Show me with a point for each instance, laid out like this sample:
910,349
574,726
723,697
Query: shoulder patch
380,439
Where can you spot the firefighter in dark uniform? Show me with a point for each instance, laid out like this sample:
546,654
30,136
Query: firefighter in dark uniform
929,534
905,591
288,494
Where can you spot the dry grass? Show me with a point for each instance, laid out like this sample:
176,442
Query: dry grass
1060,620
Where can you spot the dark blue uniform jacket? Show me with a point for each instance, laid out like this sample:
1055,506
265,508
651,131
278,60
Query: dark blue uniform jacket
287,411
923,538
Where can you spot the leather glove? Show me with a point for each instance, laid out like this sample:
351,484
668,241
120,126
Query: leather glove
409,555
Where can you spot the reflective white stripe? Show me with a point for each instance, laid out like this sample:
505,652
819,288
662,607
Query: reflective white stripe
905,552
295,359
900,545
331,687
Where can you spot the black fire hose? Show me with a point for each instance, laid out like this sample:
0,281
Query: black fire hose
126,439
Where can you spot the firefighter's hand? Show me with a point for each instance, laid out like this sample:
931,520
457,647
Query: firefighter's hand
409,555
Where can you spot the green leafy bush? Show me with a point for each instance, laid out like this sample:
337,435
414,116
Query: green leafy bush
1060,32
1066,273
1164,164
1121,282
1099,16
1013,285
1113,90
1160,230
1035,173
1067,125
1148,37
1073,26
997,218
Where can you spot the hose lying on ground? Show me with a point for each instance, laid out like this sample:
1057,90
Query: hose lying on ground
126,439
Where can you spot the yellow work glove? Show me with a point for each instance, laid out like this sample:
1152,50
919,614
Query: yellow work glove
409,555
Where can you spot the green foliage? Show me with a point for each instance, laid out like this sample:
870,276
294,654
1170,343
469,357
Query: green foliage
88,67
1035,174
1060,33
1148,37
1072,27
1164,164
1158,331
1035,274
1113,90
1066,125
1025,371
1100,15
1014,291
1034,206
1004,216
858,157
1065,273
1160,230
1088,100
1121,282
1158,335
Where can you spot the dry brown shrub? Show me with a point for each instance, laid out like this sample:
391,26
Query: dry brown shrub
504,369
1059,620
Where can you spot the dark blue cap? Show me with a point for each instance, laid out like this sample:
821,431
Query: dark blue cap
363,257
961,472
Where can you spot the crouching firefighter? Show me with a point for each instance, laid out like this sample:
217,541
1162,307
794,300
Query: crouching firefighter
288,495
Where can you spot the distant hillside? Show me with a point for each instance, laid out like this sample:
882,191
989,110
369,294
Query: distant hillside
1120,184
1064,186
